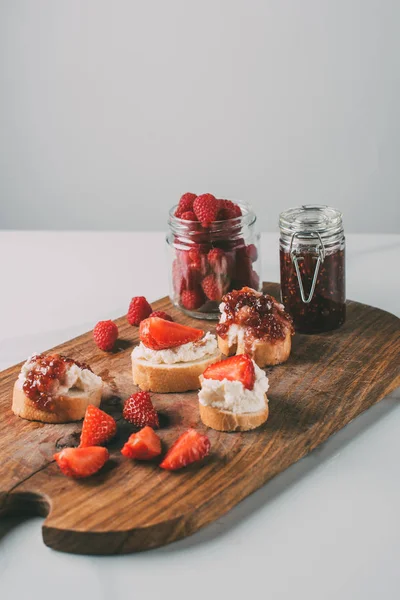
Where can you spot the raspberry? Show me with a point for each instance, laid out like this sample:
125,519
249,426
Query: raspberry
161,315
217,259
195,259
139,410
212,287
191,278
105,335
228,210
177,279
254,281
192,299
252,253
205,207
139,309
185,204
188,216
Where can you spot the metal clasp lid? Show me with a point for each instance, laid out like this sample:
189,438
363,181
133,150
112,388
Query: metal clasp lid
321,257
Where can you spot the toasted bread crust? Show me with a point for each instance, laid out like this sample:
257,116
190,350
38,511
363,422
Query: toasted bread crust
71,407
178,377
222,420
264,353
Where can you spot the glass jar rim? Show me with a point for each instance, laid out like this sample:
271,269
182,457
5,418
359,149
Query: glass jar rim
182,226
311,220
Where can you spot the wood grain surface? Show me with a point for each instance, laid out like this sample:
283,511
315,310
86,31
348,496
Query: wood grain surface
128,506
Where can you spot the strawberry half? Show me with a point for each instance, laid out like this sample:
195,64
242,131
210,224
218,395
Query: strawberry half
98,427
159,334
81,462
237,368
190,447
143,445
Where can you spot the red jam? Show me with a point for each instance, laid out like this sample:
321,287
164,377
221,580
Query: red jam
327,309
44,378
261,315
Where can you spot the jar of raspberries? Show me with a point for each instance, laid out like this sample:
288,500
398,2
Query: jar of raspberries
214,248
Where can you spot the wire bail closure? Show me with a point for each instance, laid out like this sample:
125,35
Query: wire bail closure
321,257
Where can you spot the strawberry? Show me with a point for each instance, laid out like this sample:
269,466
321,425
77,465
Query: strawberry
188,216
98,427
237,368
192,299
158,334
185,204
105,335
139,410
205,207
162,315
143,445
228,210
190,447
81,462
212,287
139,309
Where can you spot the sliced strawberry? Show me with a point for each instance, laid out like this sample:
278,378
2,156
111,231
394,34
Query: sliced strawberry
143,445
81,462
188,448
98,427
159,334
236,368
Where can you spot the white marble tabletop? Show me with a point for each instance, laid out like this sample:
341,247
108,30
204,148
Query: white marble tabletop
327,528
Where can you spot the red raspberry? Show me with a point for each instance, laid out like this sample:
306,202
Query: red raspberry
191,277
217,259
139,309
161,315
228,210
254,280
177,278
188,216
205,207
185,204
139,410
105,335
192,299
195,258
252,253
212,287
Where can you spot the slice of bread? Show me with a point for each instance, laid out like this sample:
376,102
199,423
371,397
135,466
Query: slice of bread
65,408
223,420
176,377
264,352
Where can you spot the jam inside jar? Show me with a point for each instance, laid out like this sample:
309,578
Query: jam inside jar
312,263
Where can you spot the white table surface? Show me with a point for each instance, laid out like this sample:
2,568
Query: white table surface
327,528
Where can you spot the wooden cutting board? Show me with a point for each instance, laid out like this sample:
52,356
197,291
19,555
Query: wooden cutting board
129,506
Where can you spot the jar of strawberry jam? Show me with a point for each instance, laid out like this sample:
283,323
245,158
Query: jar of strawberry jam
207,260
312,261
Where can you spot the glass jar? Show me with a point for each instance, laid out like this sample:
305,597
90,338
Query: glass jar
312,260
206,263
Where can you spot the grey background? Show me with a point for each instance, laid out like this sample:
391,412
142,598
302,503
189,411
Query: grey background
110,110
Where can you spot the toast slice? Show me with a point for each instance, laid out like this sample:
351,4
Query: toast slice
223,420
176,377
55,389
265,353
65,408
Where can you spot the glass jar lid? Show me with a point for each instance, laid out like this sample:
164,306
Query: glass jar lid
311,220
